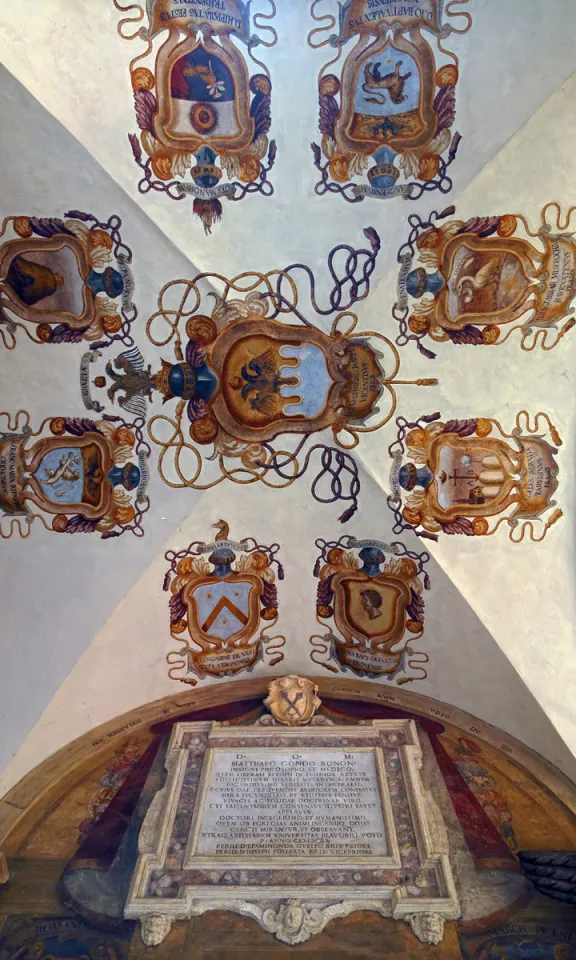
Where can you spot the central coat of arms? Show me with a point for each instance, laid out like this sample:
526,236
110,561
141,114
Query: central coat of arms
225,604
250,388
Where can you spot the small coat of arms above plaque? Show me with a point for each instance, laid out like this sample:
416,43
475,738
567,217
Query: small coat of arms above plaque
222,606
370,597
293,700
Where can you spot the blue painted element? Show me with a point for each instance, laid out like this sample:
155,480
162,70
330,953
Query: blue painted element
61,475
371,558
208,596
312,392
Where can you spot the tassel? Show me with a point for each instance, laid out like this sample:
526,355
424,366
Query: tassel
209,211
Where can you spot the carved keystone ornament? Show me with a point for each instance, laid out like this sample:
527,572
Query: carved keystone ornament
292,700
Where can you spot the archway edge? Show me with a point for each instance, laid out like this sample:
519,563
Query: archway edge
46,783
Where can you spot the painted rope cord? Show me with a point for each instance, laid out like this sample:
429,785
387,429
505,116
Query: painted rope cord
84,476
225,603
468,477
388,106
242,378
65,280
370,602
479,281
204,118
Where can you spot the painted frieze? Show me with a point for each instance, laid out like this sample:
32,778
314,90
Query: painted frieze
469,476
223,602
248,389
480,280
370,601
202,106
73,474
65,280
387,106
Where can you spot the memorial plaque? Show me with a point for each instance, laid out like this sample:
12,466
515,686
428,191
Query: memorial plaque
310,803
293,826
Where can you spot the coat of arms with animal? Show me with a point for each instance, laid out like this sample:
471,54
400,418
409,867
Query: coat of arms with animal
386,111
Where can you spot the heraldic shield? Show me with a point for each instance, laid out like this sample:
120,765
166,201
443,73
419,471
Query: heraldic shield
477,281
247,388
223,604
88,476
63,281
387,111
204,118
374,599
460,477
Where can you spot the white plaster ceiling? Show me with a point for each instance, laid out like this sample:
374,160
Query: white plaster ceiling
84,621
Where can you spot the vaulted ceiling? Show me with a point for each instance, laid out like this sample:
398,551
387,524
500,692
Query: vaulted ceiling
85,629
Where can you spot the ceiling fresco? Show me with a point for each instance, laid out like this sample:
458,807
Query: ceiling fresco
328,430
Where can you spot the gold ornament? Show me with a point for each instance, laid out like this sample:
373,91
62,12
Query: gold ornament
292,700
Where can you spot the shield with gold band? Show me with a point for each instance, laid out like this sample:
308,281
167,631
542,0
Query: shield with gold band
223,612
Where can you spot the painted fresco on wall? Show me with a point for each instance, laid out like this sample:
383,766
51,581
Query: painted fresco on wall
370,599
468,477
74,475
480,280
242,377
203,109
387,111
226,605
96,878
59,938
522,941
65,280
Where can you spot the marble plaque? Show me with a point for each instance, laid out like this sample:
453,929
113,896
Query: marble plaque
292,804
293,826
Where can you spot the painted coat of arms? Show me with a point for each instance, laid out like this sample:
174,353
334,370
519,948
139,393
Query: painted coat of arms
63,281
469,477
478,281
244,380
386,115
225,604
202,114
370,598
86,476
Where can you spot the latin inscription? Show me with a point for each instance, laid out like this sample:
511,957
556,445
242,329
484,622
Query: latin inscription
290,803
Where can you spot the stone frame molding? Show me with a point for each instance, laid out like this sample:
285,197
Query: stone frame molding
295,911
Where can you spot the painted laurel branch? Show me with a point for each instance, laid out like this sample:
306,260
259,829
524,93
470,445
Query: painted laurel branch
204,119
225,604
371,608
390,101
66,280
236,362
478,281
460,478
85,476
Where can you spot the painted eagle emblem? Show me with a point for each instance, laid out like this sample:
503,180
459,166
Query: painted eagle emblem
260,383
